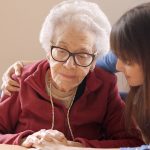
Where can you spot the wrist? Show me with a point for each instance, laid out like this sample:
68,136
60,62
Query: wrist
74,144
22,140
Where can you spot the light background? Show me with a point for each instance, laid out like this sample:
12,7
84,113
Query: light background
21,20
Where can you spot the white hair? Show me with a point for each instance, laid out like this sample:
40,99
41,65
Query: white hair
86,15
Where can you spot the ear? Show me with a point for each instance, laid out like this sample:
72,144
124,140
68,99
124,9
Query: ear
48,56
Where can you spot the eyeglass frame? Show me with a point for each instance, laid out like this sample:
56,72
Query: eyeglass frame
73,55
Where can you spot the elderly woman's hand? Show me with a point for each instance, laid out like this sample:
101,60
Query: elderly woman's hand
48,138
9,85
60,147
44,138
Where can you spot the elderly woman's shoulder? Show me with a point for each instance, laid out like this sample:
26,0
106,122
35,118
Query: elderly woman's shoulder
104,75
31,68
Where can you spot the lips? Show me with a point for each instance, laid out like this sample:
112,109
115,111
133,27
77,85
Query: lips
68,76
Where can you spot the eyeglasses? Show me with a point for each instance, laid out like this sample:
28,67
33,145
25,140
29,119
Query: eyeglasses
82,59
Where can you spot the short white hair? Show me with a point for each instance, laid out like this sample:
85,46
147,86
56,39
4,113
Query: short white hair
86,15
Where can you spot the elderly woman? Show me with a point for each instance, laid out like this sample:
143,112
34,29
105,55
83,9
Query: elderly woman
73,103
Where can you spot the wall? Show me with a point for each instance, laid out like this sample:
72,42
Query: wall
21,20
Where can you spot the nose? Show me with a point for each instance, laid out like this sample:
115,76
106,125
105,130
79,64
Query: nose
70,63
119,65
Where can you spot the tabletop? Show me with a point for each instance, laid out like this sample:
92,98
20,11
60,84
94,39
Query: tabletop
56,147
11,147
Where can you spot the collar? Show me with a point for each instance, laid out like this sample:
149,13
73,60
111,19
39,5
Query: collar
36,80
93,80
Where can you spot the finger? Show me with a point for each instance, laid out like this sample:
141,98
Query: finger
42,143
10,89
8,81
57,134
18,66
5,92
60,135
13,82
54,134
48,138
27,144
10,86
40,133
20,63
8,73
30,140
36,137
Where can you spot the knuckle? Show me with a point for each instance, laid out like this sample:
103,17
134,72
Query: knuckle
7,87
8,82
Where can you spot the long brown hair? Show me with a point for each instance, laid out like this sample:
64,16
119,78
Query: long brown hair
130,41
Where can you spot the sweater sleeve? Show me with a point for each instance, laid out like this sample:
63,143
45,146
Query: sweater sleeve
10,110
116,135
108,62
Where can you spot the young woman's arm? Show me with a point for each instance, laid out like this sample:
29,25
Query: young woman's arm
107,62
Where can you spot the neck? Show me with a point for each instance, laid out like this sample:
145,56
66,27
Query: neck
55,89
66,98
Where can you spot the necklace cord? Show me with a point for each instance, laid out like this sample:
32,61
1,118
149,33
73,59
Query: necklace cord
68,120
53,111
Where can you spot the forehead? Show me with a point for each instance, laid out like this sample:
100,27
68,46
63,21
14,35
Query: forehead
75,38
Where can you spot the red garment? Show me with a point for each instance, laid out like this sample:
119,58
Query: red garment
96,118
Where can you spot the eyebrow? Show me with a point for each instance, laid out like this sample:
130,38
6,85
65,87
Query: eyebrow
82,49
62,42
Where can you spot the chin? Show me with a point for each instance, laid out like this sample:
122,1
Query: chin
135,84
66,85
66,88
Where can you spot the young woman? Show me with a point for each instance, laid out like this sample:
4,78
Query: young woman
130,41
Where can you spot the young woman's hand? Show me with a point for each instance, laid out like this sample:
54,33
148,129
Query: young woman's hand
9,85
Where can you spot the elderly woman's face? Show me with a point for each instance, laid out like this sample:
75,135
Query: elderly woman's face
68,75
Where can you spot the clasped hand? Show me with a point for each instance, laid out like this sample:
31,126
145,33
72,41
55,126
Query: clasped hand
46,139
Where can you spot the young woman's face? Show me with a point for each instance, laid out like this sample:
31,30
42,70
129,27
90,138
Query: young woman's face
67,75
133,72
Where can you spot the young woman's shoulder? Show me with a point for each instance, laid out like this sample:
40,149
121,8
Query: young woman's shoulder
143,147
